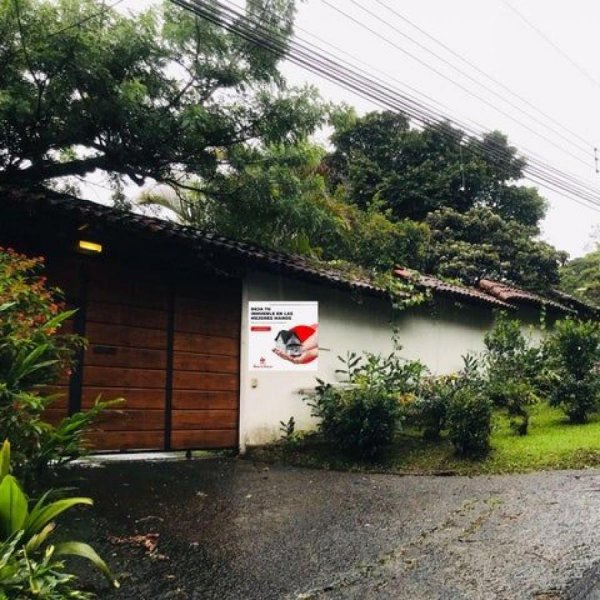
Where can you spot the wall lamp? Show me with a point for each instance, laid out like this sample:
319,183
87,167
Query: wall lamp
88,247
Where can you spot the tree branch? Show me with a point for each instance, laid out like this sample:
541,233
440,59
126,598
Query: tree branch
38,172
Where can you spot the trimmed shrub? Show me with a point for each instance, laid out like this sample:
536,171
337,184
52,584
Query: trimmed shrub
361,416
514,371
470,421
573,350
361,421
429,411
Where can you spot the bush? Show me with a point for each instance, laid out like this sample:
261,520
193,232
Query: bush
514,371
361,416
469,421
573,349
390,372
361,421
34,354
430,409
29,565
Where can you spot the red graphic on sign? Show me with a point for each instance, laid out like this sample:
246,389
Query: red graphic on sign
299,345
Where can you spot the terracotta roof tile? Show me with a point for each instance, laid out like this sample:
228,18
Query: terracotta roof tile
490,293
508,293
251,254
457,291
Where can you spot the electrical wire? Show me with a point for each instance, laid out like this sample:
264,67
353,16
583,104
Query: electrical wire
453,81
237,23
482,72
237,19
370,69
554,45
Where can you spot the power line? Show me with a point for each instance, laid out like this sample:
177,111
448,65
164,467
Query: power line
554,45
99,13
368,71
237,23
482,72
446,77
215,14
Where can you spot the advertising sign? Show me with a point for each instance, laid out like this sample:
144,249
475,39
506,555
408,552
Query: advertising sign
283,336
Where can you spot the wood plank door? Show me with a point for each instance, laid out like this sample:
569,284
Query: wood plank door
126,318
169,347
206,364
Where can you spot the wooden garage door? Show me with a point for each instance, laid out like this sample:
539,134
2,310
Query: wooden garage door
206,360
126,319
171,349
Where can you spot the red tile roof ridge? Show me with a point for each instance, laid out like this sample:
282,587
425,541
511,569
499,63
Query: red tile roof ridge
507,293
451,289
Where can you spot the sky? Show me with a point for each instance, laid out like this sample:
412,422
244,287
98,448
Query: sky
564,84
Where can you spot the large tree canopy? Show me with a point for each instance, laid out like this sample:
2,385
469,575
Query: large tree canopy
480,244
166,96
380,157
278,197
581,277
482,222
161,94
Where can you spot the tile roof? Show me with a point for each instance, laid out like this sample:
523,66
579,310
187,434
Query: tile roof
508,293
490,293
577,304
251,254
460,292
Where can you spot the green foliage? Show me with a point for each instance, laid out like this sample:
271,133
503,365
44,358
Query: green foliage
160,94
482,224
469,420
23,577
581,277
479,243
390,372
361,421
362,416
429,410
33,354
28,565
515,371
277,197
552,443
573,350
288,429
379,157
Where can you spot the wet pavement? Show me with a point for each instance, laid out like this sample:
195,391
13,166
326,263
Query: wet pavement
231,529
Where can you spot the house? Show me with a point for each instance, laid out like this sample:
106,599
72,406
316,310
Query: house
290,340
166,310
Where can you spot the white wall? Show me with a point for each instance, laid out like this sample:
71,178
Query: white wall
438,334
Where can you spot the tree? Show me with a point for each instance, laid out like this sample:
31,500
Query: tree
379,157
481,244
162,95
483,224
581,277
277,197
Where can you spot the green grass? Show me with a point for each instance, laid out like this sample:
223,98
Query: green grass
552,443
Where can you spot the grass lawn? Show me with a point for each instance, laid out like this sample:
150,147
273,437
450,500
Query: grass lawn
552,443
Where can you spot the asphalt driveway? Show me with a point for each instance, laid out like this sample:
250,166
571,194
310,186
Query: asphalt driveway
230,529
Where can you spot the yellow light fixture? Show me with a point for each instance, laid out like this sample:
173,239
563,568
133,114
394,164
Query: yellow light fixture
87,246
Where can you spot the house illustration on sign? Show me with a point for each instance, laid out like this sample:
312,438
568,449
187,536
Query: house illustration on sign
290,340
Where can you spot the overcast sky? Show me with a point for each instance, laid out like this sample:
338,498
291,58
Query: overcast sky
498,41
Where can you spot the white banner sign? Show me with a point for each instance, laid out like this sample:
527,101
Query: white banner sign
283,336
